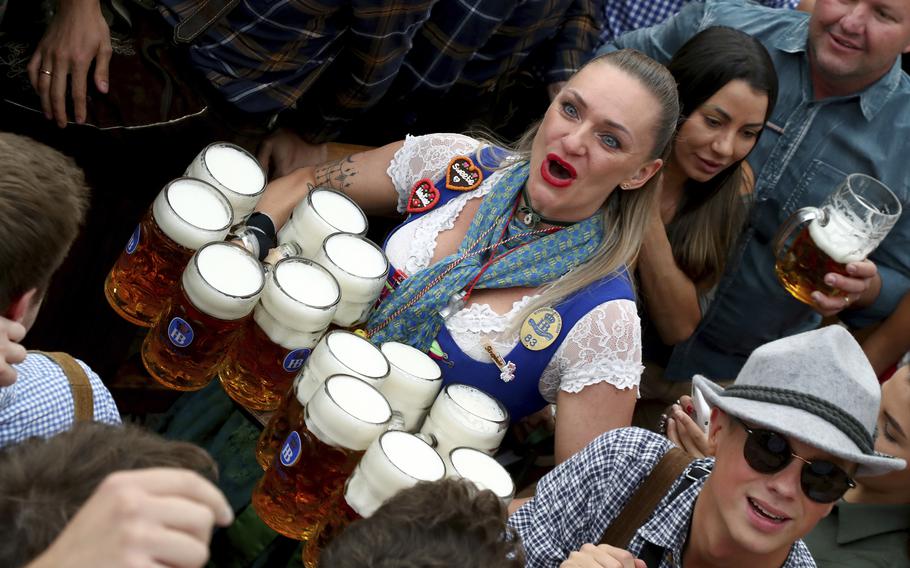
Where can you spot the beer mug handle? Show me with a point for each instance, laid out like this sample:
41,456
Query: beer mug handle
396,422
429,439
792,223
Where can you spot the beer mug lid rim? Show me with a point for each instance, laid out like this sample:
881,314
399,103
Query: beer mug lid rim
395,440
849,183
252,160
383,273
172,203
324,190
301,260
456,387
426,373
235,249
338,334
342,386
500,482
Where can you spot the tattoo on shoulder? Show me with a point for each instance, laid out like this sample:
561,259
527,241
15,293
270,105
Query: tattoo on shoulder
338,175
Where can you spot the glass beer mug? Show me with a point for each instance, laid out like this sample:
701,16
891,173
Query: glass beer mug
465,416
296,307
234,172
361,268
394,462
483,470
338,352
413,383
846,228
339,423
185,215
218,290
323,212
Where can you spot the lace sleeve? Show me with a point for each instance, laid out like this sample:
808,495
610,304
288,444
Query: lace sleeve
425,156
604,345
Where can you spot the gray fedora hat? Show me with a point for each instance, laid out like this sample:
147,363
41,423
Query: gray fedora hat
816,387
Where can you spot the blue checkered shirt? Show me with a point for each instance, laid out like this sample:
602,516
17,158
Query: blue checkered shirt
40,402
578,500
621,16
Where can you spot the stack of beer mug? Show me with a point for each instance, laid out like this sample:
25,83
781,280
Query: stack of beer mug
296,307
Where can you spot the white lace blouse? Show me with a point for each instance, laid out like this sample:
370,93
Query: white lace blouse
604,345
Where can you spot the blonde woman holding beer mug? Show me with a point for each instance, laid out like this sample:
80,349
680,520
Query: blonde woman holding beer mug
512,265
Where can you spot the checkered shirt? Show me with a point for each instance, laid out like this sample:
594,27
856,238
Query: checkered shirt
578,500
40,402
621,16
266,54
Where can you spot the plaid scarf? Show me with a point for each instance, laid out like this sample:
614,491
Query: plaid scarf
534,261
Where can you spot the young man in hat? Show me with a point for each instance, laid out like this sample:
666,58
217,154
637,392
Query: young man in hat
788,436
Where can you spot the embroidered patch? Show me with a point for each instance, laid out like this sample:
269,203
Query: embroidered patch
541,329
462,174
424,196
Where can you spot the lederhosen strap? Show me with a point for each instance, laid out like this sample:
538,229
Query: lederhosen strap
645,499
83,399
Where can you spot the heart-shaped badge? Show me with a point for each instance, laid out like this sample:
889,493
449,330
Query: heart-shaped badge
462,174
424,196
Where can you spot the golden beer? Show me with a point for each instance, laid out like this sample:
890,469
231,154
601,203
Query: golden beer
185,215
339,423
296,307
218,290
338,352
846,228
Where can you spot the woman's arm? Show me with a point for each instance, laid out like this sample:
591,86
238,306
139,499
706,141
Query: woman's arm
585,415
670,296
362,176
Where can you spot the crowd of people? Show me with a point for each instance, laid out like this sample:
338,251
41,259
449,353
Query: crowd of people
628,166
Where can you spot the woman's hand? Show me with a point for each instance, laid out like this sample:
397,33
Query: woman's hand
858,290
602,556
683,431
75,37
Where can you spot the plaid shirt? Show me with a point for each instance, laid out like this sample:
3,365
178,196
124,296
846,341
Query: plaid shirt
621,16
578,500
40,402
265,55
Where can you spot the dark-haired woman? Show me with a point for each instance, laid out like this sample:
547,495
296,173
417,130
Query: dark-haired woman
727,88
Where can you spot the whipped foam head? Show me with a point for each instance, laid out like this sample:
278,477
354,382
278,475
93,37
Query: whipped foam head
347,412
223,280
297,303
483,470
477,403
192,212
414,379
234,168
338,210
357,354
842,240
356,255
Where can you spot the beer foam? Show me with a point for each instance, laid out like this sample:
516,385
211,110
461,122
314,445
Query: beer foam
338,210
192,212
840,239
306,283
235,169
477,402
358,354
484,471
412,456
411,360
356,255
223,280
347,412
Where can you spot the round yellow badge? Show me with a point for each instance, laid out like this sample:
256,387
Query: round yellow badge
541,329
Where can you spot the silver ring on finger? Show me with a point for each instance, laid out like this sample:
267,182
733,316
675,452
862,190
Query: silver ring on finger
46,72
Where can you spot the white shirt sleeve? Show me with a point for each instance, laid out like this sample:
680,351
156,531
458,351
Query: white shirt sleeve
425,157
604,345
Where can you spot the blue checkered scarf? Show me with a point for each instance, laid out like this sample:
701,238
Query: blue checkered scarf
542,260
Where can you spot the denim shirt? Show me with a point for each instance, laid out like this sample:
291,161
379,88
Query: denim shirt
808,146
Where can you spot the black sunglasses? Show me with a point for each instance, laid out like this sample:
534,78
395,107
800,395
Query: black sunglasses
769,452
